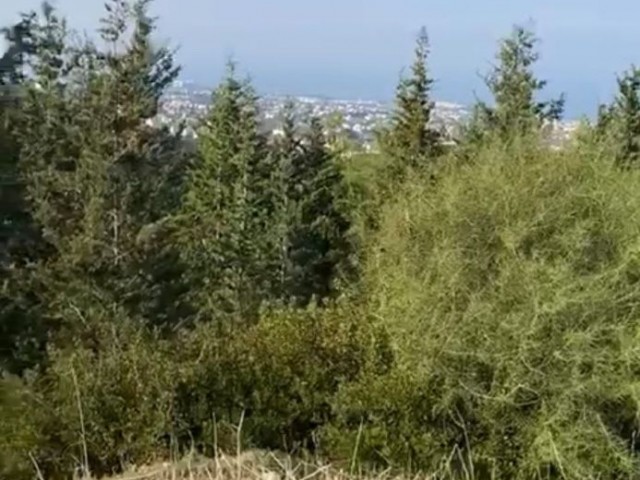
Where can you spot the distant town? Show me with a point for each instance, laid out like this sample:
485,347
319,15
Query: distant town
186,103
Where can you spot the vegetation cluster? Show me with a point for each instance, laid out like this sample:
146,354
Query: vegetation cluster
463,309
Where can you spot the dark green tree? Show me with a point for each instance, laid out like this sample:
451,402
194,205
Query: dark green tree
150,166
226,224
319,243
514,87
100,182
14,216
288,151
21,334
411,139
99,175
619,123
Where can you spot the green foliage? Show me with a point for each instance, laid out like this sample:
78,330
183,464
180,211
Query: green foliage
19,428
411,140
98,176
114,399
510,289
618,124
513,85
226,219
474,318
279,375
21,332
118,395
367,183
93,171
105,402
20,44
318,232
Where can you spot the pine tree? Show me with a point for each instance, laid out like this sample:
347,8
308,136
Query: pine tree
14,216
411,139
319,243
287,149
97,174
21,332
226,231
514,87
619,123
148,171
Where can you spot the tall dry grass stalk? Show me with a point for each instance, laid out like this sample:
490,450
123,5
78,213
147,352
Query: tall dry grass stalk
250,465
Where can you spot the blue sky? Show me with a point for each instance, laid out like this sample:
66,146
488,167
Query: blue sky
357,48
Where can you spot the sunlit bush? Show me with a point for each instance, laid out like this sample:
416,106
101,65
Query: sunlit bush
510,288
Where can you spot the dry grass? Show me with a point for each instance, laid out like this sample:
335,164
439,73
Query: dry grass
251,465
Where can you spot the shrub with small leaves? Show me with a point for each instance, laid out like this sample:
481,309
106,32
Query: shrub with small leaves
511,291
20,437
280,376
111,405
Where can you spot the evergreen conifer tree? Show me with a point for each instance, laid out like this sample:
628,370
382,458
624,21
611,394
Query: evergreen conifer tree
227,229
411,139
619,123
21,333
288,150
514,87
97,173
319,243
14,215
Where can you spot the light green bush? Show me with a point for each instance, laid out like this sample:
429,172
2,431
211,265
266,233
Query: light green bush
510,288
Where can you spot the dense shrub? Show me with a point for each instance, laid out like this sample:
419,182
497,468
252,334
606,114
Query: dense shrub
279,376
19,435
109,405
499,337
124,396
494,333
511,290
